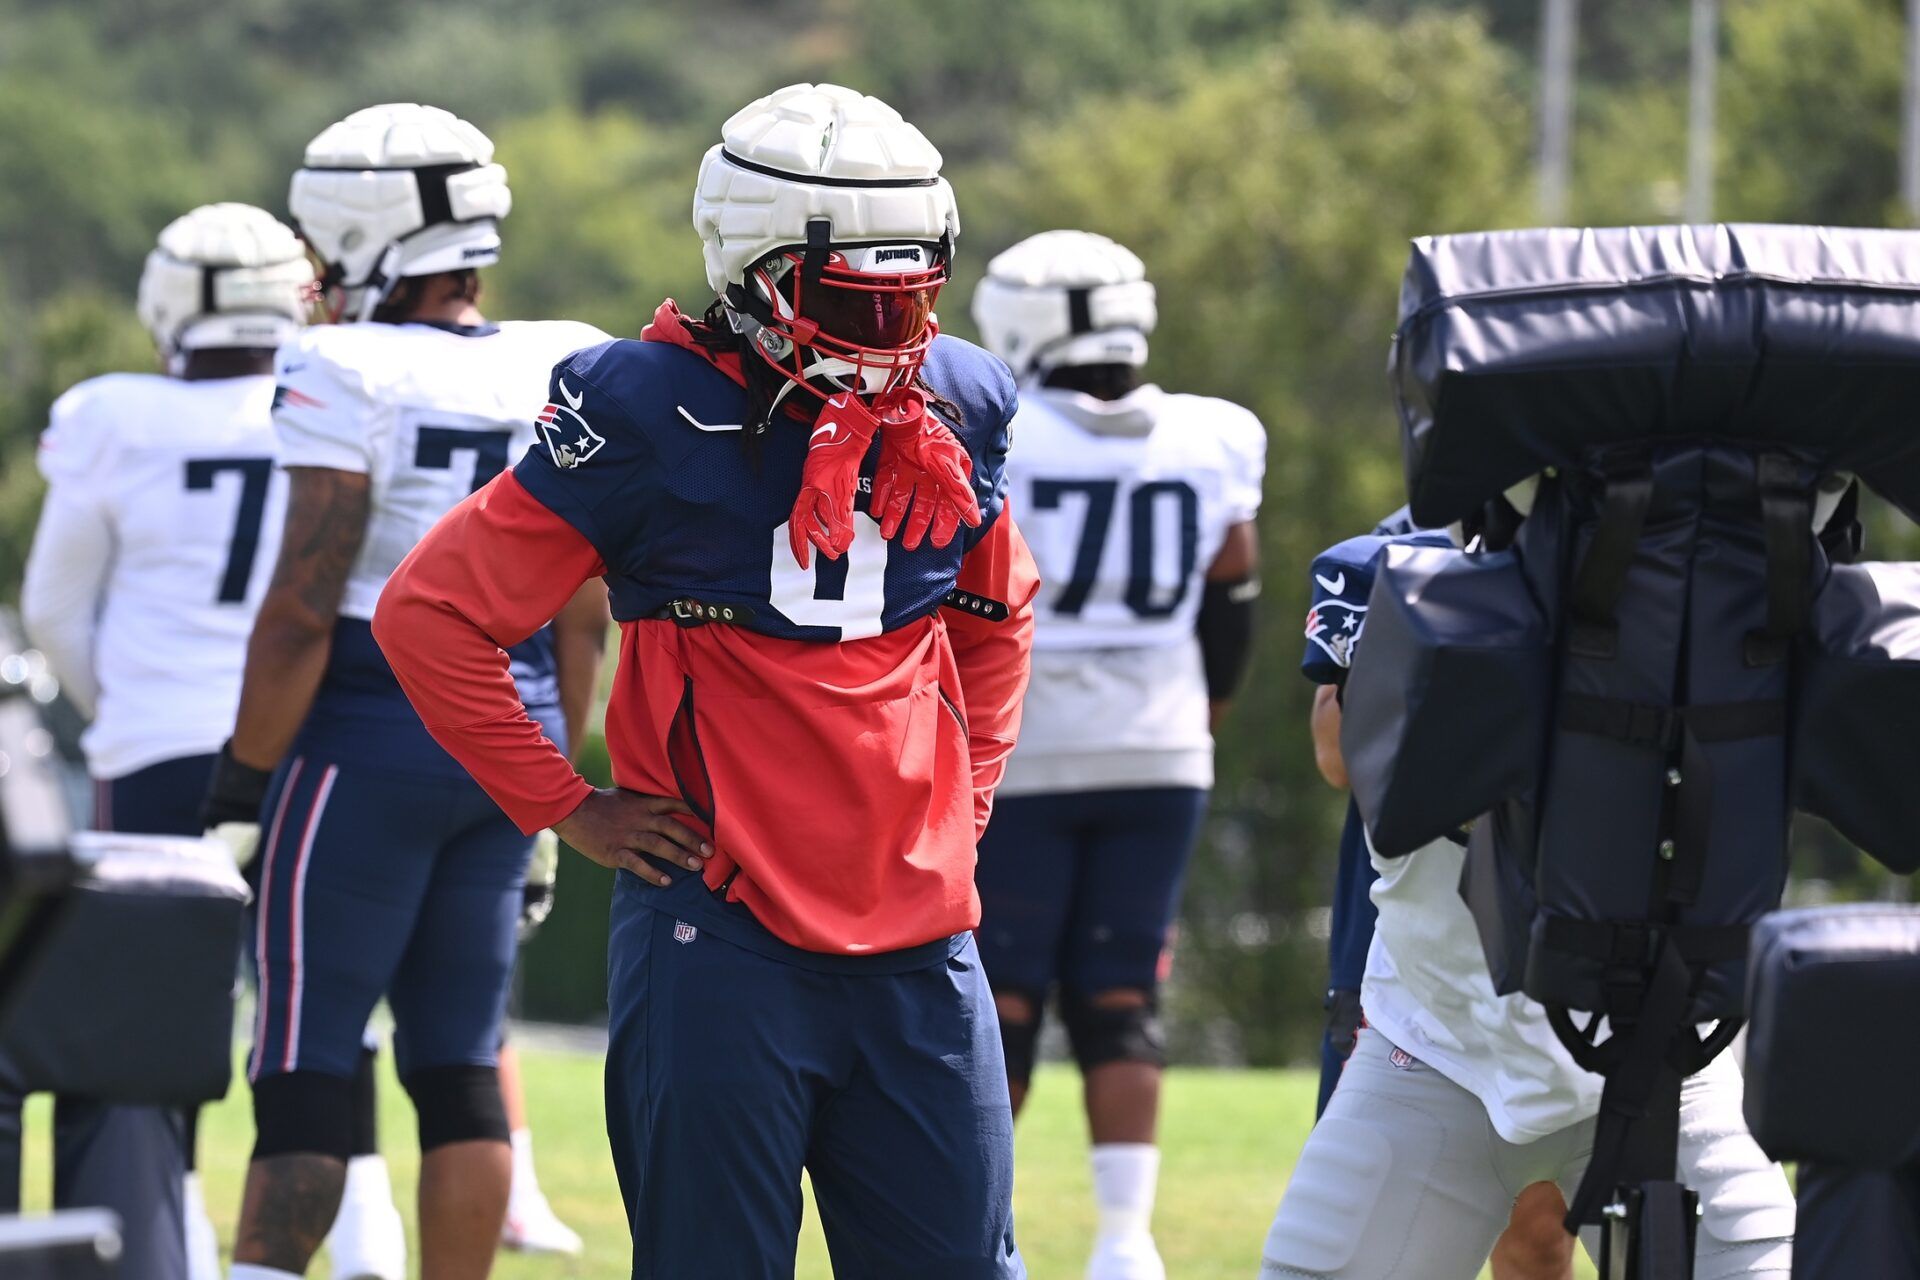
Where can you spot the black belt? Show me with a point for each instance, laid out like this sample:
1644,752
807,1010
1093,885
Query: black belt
688,612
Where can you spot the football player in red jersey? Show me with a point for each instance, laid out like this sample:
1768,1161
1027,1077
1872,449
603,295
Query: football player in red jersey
798,506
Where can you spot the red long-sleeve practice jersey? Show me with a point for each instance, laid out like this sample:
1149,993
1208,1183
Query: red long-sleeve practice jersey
839,733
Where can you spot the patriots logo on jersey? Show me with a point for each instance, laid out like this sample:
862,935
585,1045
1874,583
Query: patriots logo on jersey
1335,626
285,395
569,440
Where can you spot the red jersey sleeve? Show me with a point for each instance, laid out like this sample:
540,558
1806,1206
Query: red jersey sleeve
494,570
994,657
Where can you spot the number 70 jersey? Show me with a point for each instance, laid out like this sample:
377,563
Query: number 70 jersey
1125,504
428,413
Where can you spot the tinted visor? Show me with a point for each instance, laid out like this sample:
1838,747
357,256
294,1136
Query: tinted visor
870,312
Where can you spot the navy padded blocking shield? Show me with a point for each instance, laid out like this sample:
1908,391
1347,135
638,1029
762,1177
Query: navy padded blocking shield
1832,1038
1857,711
130,1000
1456,664
1664,793
1519,350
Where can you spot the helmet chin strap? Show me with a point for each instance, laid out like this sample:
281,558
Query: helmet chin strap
379,283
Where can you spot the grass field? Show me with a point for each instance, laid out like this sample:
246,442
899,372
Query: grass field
1229,1138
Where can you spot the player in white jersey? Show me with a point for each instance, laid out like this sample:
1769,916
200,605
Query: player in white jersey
1138,504
384,869
163,511
1456,1101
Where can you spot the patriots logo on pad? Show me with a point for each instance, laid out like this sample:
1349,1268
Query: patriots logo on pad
1335,626
569,440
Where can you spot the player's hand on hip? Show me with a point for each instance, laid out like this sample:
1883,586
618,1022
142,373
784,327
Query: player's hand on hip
614,828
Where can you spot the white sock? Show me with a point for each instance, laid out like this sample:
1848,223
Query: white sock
203,1247
367,1182
1124,1177
525,1181
254,1271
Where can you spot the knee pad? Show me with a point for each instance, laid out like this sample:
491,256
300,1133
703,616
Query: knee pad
1101,1035
306,1112
457,1104
1020,1041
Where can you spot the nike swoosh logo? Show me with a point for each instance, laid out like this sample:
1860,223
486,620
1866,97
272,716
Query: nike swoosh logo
828,431
710,426
1334,585
573,401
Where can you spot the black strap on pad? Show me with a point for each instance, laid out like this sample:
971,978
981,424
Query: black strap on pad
1786,516
1640,1105
1602,575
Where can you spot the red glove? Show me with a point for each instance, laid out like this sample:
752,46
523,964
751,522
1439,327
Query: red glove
823,513
922,469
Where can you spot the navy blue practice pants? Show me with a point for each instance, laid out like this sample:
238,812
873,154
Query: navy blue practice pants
732,1067
1080,888
374,883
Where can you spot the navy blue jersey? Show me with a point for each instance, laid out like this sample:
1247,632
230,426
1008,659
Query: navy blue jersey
644,456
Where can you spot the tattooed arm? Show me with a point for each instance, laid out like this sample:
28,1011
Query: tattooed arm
326,521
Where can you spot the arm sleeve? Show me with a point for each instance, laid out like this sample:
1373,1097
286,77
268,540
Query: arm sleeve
1225,628
60,599
72,553
994,658
492,572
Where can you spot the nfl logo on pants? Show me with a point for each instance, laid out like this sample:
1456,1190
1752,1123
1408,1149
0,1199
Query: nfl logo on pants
684,932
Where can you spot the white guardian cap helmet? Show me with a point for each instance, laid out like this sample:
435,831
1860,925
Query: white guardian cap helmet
394,191
1065,298
828,232
224,275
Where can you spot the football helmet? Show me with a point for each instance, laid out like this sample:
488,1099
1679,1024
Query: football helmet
1065,298
828,232
393,191
224,275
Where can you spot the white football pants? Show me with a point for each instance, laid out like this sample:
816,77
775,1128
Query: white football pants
1404,1178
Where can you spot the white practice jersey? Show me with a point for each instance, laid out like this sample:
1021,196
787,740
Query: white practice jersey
1125,505
1427,990
156,543
428,413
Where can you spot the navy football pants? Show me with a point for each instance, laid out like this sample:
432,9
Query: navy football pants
375,883
730,1070
1080,888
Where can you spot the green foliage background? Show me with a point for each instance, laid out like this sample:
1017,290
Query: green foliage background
1268,158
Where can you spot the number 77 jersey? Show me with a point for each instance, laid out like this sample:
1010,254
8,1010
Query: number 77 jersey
1125,504
162,521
